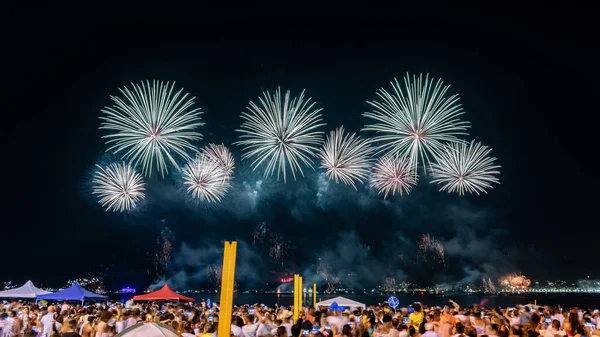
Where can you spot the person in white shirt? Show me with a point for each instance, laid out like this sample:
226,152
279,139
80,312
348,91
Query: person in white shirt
134,318
461,315
265,327
65,307
429,330
555,330
285,316
12,327
188,331
557,315
249,330
120,324
337,321
48,322
236,330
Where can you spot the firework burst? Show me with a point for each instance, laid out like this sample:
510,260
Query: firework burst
346,157
281,133
221,155
393,174
205,179
118,187
515,282
465,168
417,120
151,124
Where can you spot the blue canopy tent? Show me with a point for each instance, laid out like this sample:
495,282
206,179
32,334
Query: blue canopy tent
73,293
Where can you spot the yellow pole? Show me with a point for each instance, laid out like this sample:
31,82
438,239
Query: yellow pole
300,295
227,282
315,295
295,298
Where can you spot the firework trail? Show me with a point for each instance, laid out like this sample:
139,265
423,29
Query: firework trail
416,120
282,134
205,179
278,249
261,233
489,286
151,124
346,157
118,187
164,251
429,246
221,155
465,168
389,284
214,273
393,174
326,272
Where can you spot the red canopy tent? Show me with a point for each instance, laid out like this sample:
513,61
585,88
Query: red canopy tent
164,294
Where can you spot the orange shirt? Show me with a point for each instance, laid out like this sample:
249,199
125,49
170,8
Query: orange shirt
448,318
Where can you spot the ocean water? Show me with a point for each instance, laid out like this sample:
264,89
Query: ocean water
564,300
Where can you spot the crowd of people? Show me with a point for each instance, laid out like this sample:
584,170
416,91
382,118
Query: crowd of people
21,319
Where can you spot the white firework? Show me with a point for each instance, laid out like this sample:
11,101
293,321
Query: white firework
416,120
346,157
205,179
118,187
220,154
282,133
152,125
393,174
465,168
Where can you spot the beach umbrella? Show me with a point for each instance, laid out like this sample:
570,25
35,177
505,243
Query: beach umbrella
149,330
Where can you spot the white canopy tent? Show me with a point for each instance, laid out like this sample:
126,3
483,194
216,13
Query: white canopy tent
342,302
148,330
28,290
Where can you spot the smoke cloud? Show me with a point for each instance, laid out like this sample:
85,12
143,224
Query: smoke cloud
362,237
190,266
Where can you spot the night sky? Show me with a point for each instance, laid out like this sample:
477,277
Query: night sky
527,87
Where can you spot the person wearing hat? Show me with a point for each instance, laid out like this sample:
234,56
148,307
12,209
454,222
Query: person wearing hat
285,316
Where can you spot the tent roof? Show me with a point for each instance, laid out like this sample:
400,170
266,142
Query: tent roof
28,290
148,330
341,301
164,294
73,293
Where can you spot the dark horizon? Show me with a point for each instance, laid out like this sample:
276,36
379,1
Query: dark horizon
522,84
